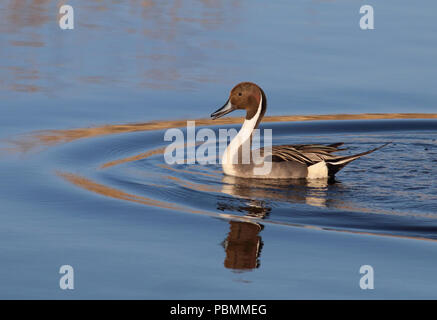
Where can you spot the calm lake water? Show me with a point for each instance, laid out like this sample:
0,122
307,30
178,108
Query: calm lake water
84,184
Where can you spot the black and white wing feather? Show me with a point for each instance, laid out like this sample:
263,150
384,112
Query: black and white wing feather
310,154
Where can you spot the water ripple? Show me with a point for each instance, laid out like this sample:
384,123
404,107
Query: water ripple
391,192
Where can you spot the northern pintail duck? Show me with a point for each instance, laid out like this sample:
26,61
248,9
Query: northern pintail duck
302,161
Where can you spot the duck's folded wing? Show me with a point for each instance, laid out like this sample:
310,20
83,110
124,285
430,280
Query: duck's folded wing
330,148
308,154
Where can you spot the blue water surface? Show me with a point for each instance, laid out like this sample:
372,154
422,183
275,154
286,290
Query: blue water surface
137,61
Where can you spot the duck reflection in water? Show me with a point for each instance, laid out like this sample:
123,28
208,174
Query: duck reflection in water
243,244
311,192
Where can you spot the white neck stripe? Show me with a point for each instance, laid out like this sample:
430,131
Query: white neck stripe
243,135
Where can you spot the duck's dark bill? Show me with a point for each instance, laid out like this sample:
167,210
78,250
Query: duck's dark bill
228,107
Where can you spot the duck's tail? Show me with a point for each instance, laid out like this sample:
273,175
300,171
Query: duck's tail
337,164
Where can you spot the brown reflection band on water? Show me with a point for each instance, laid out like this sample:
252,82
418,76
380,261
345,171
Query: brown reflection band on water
101,189
111,192
53,137
133,158
35,44
193,186
141,156
164,166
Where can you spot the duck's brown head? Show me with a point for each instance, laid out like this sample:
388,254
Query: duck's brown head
247,96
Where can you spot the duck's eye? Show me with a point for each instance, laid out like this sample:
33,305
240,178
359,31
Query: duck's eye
240,94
